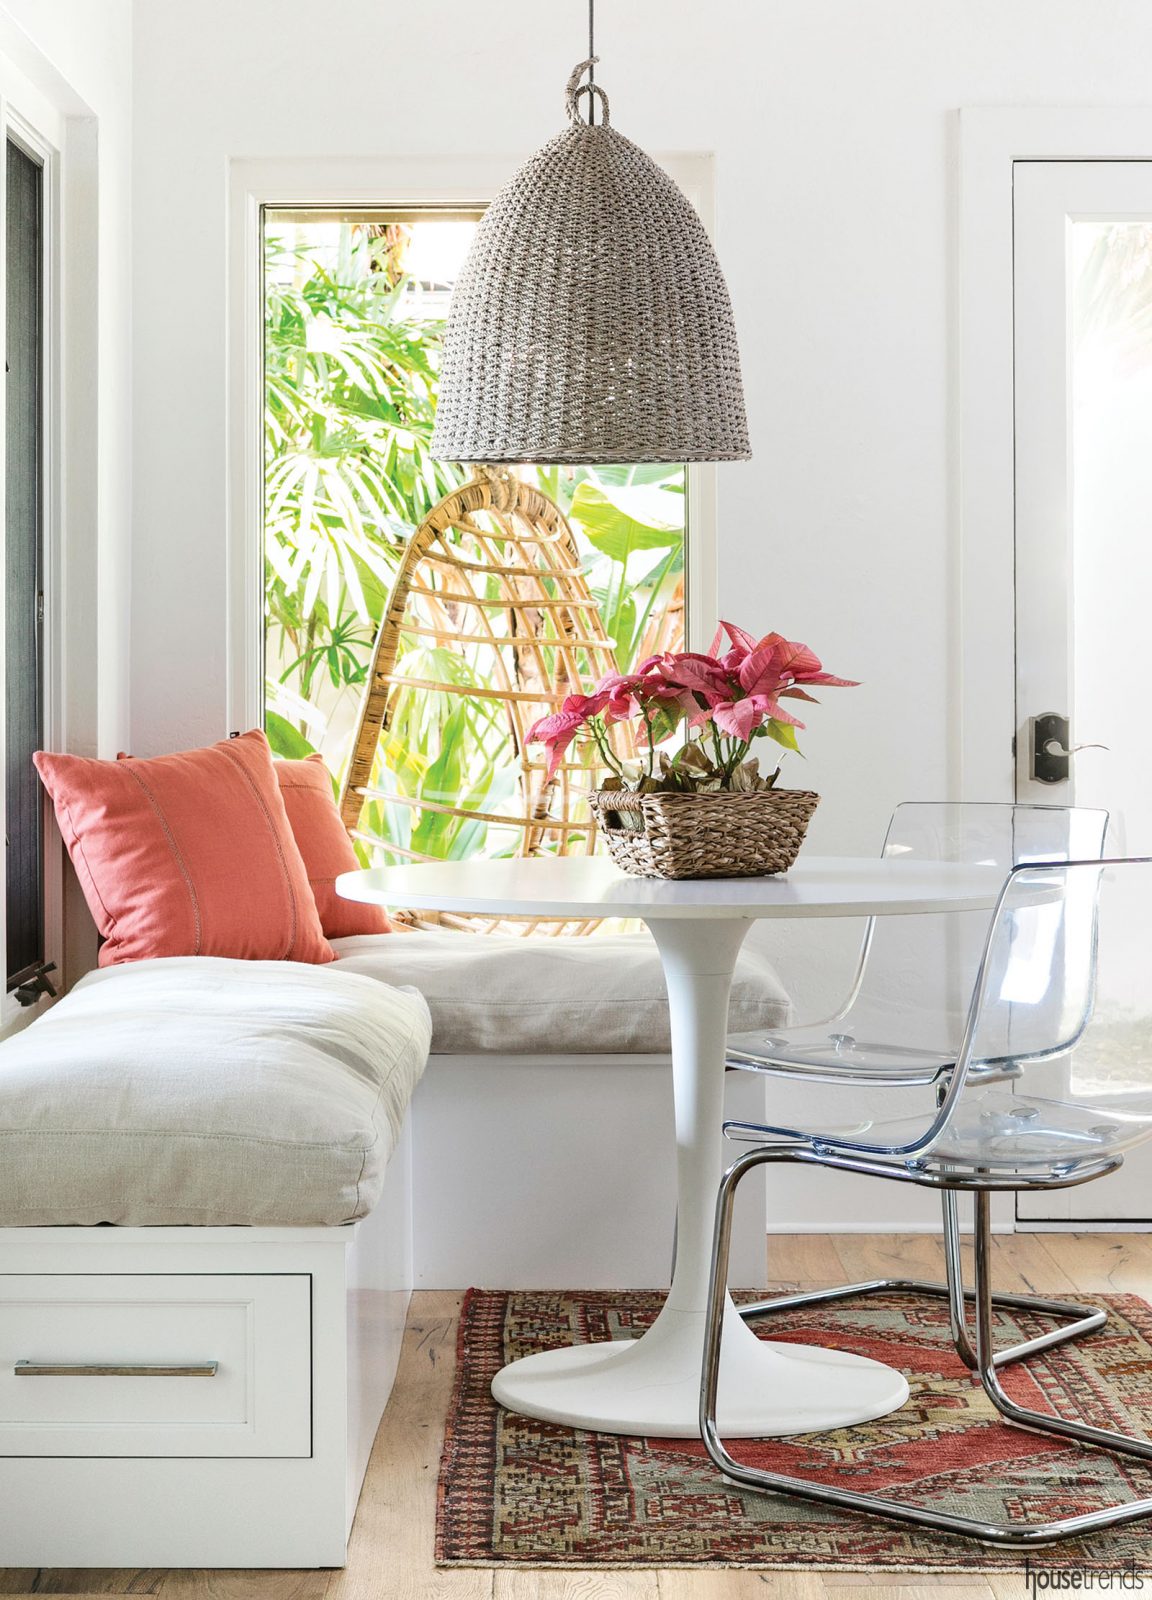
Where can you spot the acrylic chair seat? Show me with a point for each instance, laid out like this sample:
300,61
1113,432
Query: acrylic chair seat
832,1056
825,1052
902,1023
998,1131
1040,981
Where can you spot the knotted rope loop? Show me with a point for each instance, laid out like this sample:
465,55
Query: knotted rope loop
503,486
575,89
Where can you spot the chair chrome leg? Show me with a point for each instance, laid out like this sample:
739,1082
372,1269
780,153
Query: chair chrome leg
1083,1322
1003,1534
1039,1421
954,1278
953,1290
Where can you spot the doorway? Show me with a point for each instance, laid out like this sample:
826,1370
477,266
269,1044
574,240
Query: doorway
1082,348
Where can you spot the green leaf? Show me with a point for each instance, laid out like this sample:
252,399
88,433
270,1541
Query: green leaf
286,740
664,721
442,784
618,520
783,733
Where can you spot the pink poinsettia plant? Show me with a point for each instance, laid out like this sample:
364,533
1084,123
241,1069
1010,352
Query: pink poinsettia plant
718,704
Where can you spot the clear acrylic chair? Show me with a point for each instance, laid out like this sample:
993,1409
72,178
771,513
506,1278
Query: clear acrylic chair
1062,1000
903,1020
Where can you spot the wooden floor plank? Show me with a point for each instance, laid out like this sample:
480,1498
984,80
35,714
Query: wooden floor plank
595,1584
100,1580
1014,1586
220,1583
888,1255
1103,1263
1023,1261
959,1585
390,1556
802,1259
681,1584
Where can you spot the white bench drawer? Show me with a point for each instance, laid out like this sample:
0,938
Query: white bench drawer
237,1348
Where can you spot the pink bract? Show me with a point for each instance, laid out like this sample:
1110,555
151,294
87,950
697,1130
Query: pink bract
557,730
737,693
699,673
741,718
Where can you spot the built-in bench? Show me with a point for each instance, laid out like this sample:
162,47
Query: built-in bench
235,1335
206,1167
545,1116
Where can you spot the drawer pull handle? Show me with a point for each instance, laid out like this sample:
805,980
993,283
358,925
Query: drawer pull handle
115,1369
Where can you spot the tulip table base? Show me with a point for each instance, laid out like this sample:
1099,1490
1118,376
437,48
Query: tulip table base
652,1385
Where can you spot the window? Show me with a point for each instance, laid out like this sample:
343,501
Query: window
354,310
24,563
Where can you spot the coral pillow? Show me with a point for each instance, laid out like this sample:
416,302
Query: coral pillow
187,855
325,846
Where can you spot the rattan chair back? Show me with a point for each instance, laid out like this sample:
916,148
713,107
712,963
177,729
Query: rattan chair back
490,587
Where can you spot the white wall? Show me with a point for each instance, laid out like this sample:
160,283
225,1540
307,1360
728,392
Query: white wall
79,54
834,131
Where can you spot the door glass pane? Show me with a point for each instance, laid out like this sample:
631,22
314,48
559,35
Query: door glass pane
23,552
1112,562
1111,430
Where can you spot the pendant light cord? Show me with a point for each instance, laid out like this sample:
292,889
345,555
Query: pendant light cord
592,59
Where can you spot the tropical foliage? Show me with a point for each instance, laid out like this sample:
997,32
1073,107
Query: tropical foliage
1113,291
352,348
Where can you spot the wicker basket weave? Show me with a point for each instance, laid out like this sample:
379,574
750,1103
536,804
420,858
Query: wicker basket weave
722,835
591,320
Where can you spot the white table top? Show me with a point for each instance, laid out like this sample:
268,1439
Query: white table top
593,886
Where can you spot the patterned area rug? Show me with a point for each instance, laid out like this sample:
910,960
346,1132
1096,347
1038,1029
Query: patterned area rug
513,1490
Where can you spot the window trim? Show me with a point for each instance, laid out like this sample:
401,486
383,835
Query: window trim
382,184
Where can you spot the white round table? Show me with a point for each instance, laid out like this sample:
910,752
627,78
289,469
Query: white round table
651,1385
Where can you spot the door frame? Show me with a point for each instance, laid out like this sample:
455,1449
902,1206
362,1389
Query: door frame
41,127
992,141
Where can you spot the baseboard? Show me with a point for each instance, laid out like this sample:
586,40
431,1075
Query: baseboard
1006,1225
1094,1225
895,1229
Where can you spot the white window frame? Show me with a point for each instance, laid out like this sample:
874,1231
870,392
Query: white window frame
992,141
385,184
40,128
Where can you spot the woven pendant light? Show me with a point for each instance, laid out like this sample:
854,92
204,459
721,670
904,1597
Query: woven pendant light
591,321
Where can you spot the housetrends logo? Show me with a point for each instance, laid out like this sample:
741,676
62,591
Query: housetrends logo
1125,1578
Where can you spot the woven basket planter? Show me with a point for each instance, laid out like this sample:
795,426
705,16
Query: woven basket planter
719,835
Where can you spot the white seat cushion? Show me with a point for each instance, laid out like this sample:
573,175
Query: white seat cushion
201,1090
500,994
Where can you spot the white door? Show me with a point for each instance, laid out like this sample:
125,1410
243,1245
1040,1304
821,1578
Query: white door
1083,419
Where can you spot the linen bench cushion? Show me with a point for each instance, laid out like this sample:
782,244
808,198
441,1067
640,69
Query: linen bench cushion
208,1091
501,994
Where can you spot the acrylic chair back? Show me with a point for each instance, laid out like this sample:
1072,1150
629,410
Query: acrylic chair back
1061,1007
914,982
1064,993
